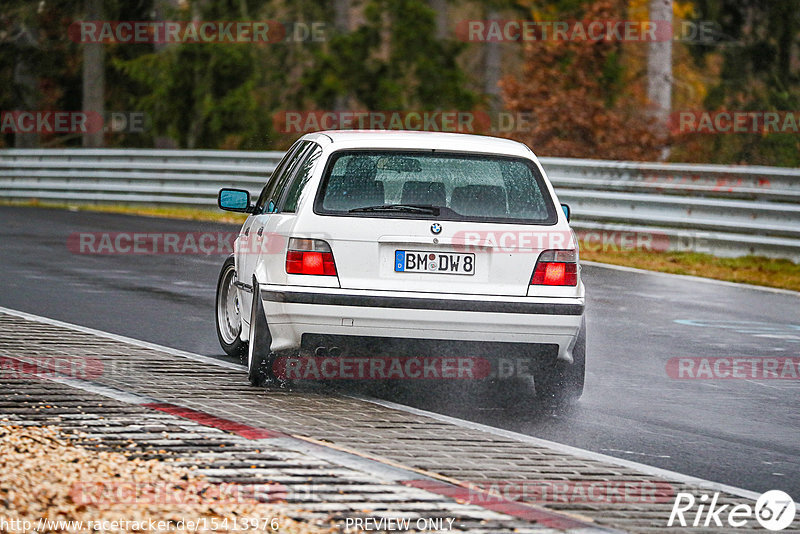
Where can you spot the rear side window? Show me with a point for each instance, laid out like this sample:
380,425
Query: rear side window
457,186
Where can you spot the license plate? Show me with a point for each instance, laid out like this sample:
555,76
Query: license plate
416,261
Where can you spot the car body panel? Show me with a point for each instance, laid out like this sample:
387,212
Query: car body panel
364,249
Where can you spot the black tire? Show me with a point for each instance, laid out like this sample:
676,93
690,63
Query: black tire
258,354
562,384
229,313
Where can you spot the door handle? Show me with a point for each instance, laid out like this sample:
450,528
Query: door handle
260,230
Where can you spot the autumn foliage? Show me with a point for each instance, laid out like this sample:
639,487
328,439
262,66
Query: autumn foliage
581,101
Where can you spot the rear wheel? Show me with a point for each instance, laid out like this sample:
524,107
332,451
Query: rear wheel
260,341
229,319
563,383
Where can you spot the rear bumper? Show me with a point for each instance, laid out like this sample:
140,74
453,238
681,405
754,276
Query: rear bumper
293,312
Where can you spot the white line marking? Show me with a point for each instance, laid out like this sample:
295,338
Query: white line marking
559,447
692,278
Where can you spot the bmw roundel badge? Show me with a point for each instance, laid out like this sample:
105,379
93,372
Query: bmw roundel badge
436,228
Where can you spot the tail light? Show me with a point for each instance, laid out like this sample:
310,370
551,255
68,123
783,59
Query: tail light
556,268
310,256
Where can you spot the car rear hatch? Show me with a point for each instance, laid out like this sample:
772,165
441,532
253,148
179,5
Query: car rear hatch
405,255
437,223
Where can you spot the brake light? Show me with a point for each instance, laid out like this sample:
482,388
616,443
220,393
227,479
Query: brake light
310,256
556,268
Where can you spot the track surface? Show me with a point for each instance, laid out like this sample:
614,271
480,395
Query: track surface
738,432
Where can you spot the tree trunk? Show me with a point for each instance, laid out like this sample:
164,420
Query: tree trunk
440,6
26,82
341,15
491,68
659,66
163,10
94,76
341,21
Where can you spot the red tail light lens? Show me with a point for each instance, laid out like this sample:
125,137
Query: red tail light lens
310,256
556,268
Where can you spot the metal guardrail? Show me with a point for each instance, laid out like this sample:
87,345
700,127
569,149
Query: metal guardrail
723,210
720,209
181,177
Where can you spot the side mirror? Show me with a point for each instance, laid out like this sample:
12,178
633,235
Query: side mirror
234,200
566,209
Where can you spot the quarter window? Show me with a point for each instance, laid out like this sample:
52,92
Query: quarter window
300,180
288,159
275,194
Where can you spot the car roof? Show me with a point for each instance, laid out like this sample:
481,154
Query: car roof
405,139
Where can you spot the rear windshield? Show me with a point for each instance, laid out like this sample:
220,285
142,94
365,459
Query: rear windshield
436,185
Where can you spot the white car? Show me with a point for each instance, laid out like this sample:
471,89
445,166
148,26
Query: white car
447,252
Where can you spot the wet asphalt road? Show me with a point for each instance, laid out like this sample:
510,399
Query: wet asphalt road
740,432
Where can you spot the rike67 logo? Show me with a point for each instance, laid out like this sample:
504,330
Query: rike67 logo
774,510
